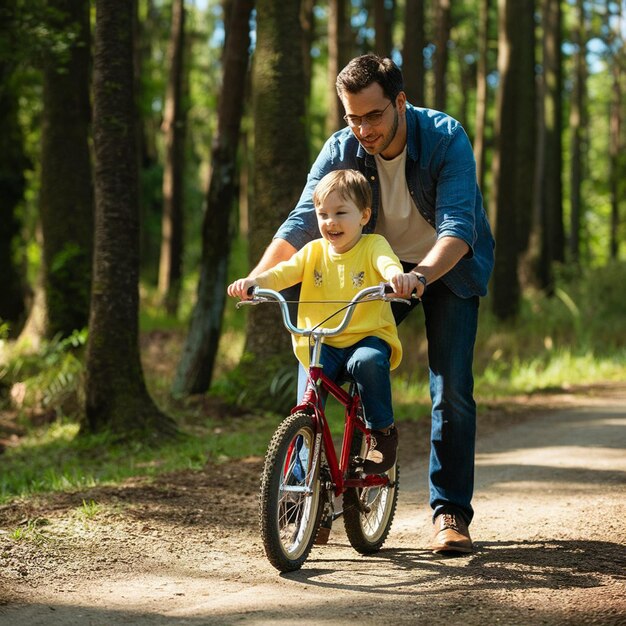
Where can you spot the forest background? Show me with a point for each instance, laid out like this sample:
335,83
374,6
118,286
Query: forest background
151,148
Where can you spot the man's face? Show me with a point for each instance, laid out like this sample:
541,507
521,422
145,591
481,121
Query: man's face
376,138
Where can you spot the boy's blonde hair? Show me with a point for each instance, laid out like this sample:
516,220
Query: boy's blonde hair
350,184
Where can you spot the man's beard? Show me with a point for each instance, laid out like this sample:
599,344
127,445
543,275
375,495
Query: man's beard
391,135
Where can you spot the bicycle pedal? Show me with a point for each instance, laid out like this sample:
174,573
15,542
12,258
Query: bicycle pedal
323,533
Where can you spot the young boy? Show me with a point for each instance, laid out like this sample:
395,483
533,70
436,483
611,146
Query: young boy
336,267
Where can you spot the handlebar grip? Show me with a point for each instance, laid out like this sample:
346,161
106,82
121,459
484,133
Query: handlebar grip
389,290
250,291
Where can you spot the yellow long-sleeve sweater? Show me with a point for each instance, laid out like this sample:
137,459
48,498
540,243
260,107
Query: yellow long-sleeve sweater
326,275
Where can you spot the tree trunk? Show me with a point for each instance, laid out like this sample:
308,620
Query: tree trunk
337,59
66,196
616,172
413,51
513,167
13,162
175,128
116,394
482,90
281,165
443,27
195,369
552,234
578,124
307,21
383,26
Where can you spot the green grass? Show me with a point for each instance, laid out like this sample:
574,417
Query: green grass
576,338
54,458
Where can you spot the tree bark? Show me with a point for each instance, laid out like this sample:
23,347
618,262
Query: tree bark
307,21
195,369
337,59
413,51
482,91
616,170
383,26
175,128
552,233
443,27
513,167
281,158
116,396
66,196
13,162
578,124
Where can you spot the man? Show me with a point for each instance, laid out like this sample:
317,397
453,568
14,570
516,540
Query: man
421,167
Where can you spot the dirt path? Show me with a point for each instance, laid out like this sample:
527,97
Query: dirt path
550,530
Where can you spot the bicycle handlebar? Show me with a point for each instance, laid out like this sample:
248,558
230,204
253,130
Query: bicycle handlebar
378,292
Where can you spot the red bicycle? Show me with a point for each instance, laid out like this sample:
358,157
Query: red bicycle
304,476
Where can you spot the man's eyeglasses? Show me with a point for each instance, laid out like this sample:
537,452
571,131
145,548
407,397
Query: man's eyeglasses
373,119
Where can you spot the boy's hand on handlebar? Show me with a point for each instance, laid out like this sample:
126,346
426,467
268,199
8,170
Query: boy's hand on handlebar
239,289
406,285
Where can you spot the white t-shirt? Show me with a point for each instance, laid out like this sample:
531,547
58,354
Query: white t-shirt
408,233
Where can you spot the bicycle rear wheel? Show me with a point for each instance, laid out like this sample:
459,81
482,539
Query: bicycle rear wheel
368,512
290,510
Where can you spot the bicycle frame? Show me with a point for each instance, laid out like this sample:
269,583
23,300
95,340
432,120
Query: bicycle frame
338,467
312,401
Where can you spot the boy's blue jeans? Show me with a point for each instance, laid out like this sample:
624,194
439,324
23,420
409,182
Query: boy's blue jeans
451,325
367,362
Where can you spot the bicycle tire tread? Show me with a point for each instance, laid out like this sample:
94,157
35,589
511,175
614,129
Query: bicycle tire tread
273,463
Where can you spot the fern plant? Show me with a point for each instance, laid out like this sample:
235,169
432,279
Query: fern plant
51,379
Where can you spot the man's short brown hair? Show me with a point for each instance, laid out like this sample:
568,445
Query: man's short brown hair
367,69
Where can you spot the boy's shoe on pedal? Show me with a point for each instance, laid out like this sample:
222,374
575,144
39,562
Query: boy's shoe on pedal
382,453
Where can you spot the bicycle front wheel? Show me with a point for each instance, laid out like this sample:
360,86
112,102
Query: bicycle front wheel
290,510
368,512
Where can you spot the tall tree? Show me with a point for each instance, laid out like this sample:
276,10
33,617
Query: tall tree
66,196
149,31
307,21
443,27
13,162
513,167
337,58
195,369
551,199
383,26
413,51
578,125
281,157
616,158
175,128
116,396
482,90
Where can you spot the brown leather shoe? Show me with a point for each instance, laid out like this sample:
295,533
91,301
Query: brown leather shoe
451,534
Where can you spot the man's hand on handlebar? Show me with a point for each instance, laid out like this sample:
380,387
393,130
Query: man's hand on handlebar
407,285
240,288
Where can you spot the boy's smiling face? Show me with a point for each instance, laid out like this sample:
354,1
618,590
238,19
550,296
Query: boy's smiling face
340,221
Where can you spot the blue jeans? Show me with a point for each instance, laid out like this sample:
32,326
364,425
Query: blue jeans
451,325
367,362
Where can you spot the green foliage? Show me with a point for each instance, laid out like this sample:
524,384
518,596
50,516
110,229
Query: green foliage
55,458
51,378
270,388
31,531
89,510
576,337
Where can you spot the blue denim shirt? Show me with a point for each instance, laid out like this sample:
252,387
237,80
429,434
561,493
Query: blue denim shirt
441,177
